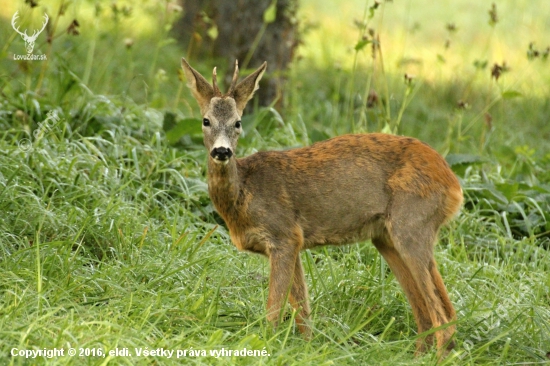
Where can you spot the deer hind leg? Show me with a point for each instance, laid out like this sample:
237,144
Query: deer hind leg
299,299
442,292
412,291
413,234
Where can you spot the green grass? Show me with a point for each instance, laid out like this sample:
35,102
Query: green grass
108,238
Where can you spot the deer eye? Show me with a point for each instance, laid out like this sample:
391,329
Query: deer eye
206,122
238,124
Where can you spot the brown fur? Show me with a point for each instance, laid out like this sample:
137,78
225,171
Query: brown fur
396,191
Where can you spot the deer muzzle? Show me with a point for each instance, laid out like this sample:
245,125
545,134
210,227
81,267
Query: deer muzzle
221,154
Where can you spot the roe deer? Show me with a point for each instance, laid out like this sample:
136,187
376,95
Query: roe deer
396,191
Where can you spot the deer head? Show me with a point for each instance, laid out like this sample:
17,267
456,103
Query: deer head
29,40
221,114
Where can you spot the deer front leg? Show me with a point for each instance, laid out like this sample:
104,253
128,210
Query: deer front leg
281,280
299,299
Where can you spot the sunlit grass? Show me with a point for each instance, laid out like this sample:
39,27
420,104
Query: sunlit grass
140,24
414,34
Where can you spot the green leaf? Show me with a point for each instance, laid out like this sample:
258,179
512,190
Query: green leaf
361,44
387,129
509,190
187,126
480,64
373,8
509,94
318,135
169,121
212,32
271,12
459,159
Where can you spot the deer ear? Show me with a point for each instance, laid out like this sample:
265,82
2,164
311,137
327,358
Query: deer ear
201,89
245,89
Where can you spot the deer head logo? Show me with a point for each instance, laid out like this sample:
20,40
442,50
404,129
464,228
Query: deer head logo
29,40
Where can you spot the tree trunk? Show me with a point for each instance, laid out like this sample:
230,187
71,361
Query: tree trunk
229,29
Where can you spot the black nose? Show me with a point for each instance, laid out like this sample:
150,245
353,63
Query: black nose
221,153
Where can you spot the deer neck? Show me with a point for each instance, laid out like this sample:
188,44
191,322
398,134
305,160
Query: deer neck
224,186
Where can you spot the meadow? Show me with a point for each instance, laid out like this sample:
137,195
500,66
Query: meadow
108,239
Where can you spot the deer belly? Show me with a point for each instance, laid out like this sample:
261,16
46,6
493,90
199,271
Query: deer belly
343,228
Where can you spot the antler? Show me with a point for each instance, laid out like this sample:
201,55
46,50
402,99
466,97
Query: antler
13,19
36,33
25,35
235,78
217,91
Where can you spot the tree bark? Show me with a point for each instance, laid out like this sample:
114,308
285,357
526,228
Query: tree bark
239,24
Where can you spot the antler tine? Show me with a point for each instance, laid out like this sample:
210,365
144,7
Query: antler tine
35,33
46,18
13,19
217,91
235,78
